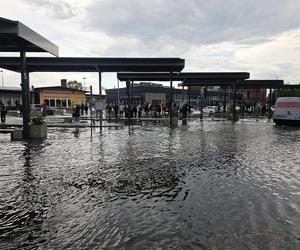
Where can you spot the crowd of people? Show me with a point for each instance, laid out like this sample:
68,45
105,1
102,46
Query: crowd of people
135,111
80,110
147,110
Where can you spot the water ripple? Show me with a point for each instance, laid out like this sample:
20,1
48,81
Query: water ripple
209,186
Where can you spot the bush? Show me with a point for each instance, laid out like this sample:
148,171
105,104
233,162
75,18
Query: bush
36,117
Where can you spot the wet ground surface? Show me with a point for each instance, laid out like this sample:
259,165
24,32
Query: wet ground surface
215,186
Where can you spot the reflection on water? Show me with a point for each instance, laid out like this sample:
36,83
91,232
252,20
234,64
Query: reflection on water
214,186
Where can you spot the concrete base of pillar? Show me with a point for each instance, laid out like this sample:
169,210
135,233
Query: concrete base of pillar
174,121
38,132
166,121
16,135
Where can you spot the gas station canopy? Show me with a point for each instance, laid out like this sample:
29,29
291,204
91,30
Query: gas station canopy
16,37
94,64
183,76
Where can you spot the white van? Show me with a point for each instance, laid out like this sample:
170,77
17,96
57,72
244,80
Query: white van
287,111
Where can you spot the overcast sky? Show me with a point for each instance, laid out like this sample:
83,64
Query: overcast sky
260,37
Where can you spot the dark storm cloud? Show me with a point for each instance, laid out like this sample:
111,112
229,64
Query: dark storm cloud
54,8
196,21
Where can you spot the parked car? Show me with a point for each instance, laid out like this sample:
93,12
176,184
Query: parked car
43,108
210,109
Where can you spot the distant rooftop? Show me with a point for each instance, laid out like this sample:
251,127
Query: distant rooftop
56,87
9,88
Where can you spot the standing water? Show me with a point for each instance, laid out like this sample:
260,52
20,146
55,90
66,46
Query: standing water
210,186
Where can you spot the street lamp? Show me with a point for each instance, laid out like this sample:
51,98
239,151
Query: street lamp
2,78
84,82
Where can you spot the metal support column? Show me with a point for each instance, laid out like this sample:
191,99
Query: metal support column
118,99
132,97
224,104
270,103
25,95
229,95
243,107
189,95
201,100
91,104
100,98
128,101
256,100
234,103
171,97
201,106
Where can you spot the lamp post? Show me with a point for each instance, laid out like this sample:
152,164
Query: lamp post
2,78
83,78
118,94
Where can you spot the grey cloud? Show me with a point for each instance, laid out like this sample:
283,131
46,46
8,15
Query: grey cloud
54,8
254,40
196,21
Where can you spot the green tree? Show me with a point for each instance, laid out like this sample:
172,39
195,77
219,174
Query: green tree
74,85
283,93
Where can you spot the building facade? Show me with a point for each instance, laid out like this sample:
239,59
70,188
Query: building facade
157,93
255,96
59,96
144,92
12,96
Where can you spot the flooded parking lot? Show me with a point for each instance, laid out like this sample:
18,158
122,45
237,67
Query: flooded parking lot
209,186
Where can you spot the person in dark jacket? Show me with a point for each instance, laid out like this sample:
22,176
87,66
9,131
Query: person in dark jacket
109,109
86,109
82,109
116,110
134,111
184,113
3,113
77,112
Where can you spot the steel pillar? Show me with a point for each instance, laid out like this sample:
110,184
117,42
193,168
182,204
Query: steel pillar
234,103
132,98
256,100
243,107
189,95
100,97
91,104
171,97
128,101
25,95
118,99
224,104
270,103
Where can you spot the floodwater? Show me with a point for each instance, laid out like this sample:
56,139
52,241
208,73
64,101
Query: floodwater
209,186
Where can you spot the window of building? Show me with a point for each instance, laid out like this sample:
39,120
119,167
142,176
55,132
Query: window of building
64,103
46,101
58,103
69,103
52,103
